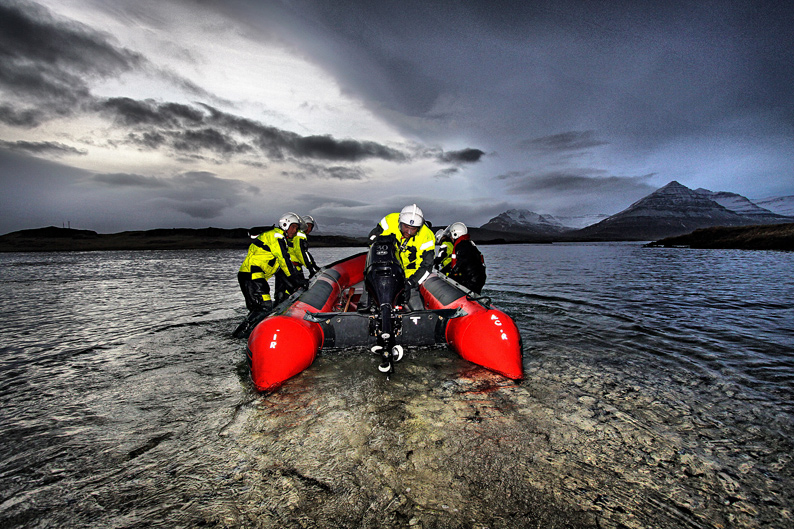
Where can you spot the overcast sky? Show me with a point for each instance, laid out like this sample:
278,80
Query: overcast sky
135,114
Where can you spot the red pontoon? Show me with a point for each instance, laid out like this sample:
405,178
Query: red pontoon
335,312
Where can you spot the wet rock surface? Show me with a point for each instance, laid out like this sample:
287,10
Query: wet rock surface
447,444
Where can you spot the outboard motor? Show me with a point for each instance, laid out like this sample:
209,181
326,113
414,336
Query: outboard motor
385,283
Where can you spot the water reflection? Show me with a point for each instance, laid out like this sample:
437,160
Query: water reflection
658,394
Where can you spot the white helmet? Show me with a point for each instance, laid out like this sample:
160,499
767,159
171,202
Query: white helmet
412,216
308,219
439,235
457,229
287,219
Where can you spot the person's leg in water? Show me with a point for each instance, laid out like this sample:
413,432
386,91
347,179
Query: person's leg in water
256,292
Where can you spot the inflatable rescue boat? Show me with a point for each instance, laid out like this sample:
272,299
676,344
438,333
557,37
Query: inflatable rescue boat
360,302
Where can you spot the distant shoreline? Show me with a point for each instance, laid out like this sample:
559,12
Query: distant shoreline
758,237
53,239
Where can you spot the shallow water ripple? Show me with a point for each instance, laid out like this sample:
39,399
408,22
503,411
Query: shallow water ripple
657,394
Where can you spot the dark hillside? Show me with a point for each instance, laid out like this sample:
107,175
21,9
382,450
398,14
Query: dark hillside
52,239
759,237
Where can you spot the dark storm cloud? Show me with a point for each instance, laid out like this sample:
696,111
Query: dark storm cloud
307,171
462,156
147,140
47,62
191,129
208,182
132,112
25,118
317,201
565,142
207,208
203,195
207,139
129,180
29,33
645,73
332,149
46,65
448,172
198,194
278,143
339,172
575,191
579,181
41,147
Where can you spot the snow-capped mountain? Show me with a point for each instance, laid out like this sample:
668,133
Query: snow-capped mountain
525,222
741,205
672,210
580,221
779,205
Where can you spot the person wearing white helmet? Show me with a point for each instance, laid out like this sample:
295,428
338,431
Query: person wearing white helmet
299,247
468,264
268,256
416,244
443,260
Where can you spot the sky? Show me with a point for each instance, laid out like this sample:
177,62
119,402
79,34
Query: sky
123,115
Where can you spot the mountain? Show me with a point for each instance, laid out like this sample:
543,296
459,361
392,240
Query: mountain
580,221
741,205
525,222
779,205
672,210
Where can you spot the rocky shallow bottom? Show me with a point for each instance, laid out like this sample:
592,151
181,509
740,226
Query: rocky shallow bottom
445,444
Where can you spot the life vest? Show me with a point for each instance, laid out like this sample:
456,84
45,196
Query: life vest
415,253
444,257
268,253
296,247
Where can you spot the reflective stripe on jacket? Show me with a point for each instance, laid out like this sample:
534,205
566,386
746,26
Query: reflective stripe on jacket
296,250
267,254
416,253
444,258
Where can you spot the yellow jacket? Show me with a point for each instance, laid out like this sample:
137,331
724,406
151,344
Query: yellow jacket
299,252
295,251
444,258
417,253
267,254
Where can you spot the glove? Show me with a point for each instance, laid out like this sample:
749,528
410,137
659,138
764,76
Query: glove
297,282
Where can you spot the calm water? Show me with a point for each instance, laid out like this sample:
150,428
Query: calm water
658,394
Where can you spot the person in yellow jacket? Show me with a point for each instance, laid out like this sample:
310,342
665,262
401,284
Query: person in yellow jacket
416,248
299,247
268,256
444,250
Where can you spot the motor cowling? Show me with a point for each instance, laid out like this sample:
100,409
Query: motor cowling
383,274
385,283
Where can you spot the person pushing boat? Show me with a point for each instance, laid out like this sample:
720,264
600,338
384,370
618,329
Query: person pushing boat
268,256
467,265
416,248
